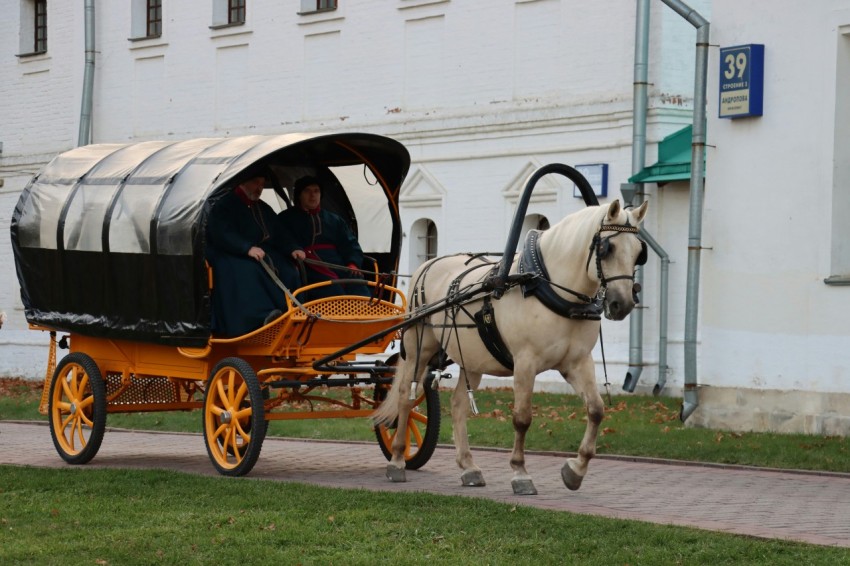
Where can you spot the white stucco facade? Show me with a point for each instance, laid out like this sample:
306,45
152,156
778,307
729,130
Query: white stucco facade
483,93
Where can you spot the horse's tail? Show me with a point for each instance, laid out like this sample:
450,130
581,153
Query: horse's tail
387,411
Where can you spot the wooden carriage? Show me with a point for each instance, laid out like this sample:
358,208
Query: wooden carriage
109,244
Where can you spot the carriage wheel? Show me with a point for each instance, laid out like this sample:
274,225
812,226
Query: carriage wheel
423,426
234,424
77,408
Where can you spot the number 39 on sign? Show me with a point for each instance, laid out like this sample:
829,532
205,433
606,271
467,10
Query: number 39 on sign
741,81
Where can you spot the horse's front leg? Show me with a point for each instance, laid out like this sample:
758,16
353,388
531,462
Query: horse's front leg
583,380
523,389
471,476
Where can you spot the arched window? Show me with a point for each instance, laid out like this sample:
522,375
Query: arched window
533,222
430,241
423,242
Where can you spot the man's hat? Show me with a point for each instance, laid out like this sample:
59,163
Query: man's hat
251,172
303,183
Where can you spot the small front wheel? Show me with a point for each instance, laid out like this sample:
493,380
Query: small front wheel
77,408
234,422
423,426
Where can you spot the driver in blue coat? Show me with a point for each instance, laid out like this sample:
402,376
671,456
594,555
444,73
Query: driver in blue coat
242,231
313,233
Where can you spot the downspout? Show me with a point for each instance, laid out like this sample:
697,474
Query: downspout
640,103
691,397
88,77
641,97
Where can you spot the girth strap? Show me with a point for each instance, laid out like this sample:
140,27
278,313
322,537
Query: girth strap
531,261
485,319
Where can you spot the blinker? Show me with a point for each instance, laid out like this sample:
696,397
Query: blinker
635,290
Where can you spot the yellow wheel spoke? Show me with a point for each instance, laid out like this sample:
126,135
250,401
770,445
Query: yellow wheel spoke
222,429
415,433
240,394
85,419
80,434
67,421
243,414
66,387
82,384
246,437
233,445
418,417
63,407
85,402
231,381
216,410
222,393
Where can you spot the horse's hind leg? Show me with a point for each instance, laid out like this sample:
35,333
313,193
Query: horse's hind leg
584,383
471,475
523,389
420,346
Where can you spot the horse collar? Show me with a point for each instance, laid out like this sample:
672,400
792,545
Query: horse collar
531,262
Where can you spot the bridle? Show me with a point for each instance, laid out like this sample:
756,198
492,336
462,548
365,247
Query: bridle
602,246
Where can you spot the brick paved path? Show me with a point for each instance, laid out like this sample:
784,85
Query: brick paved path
813,508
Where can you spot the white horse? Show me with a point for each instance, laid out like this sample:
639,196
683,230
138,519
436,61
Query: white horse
590,257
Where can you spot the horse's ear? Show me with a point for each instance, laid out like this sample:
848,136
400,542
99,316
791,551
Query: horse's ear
613,211
640,212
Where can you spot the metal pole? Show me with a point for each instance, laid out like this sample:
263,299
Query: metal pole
641,87
691,397
84,137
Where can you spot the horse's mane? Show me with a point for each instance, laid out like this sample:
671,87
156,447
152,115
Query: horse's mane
573,233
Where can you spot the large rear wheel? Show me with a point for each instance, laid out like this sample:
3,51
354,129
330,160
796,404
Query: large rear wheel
77,408
234,421
423,426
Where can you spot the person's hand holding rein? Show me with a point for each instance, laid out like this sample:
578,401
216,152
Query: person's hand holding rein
256,253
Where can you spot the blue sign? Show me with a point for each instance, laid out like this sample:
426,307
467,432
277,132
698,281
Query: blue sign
597,175
741,81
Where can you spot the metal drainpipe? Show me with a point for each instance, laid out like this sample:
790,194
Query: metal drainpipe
640,103
663,299
691,396
84,137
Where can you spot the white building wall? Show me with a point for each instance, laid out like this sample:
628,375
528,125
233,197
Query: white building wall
774,337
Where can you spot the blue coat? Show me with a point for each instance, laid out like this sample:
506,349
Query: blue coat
324,236
243,293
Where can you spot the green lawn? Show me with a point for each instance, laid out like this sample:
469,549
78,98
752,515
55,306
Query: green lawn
103,517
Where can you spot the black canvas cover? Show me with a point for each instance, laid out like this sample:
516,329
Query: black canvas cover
108,239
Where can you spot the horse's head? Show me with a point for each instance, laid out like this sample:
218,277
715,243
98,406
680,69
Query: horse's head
616,251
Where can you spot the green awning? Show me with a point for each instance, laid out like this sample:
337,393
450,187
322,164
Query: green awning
674,160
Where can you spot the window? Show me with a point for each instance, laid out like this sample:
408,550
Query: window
423,242
317,5
532,222
430,241
235,11
40,25
228,13
33,31
154,18
840,248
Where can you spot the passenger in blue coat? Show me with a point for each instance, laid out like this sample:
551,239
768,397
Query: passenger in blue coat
314,233
241,231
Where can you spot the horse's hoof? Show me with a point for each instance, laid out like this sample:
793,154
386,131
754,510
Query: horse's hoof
472,478
571,479
396,475
523,487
